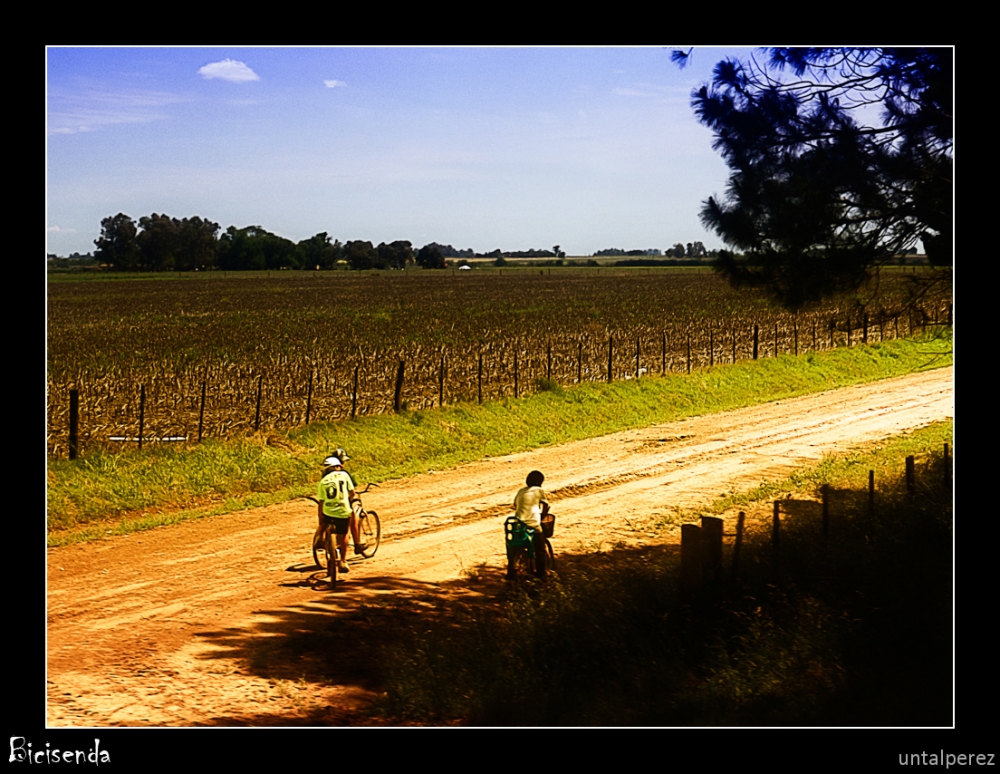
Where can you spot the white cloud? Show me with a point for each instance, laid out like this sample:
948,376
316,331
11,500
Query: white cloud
228,70
61,230
333,84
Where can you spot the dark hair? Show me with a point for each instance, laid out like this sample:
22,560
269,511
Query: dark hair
535,478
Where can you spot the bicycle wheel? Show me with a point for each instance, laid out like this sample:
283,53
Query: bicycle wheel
331,555
518,562
319,548
370,532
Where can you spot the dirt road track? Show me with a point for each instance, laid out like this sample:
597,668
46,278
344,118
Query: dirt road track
148,629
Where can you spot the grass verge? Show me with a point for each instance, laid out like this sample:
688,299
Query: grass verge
851,629
103,493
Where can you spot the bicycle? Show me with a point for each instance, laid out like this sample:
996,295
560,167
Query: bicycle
521,553
325,541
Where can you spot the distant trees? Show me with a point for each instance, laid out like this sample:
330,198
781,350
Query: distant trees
430,257
395,255
317,252
256,248
117,246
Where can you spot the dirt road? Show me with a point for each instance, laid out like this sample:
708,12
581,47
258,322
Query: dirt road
153,628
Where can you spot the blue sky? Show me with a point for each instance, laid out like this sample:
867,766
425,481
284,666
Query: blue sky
515,148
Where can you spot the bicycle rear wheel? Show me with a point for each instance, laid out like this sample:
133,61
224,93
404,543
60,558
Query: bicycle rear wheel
331,556
370,532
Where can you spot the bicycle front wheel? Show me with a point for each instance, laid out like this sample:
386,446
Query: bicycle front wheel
370,532
319,549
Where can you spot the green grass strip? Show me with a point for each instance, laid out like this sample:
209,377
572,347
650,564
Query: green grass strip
103,492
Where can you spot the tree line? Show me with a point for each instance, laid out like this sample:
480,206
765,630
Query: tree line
161,243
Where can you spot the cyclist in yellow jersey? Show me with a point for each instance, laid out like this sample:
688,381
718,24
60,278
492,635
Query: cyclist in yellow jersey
337,497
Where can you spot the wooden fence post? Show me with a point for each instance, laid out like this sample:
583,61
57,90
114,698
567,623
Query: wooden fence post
201,411
260,387
354,393
711,537
480,379
795,335
309,396
397,403
947,468
515,372
833,325
691,572
663,353
548,367
776,339
871,492
579,362
637,340
142,411
755,334
689,351
74,425
739,542
864,328
848,329
734,344
441,384
610,348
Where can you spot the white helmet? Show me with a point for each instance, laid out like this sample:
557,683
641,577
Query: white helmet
329,462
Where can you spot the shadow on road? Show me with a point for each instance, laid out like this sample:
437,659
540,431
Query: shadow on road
339,637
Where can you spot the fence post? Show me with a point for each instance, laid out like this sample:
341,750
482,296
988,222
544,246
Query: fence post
637,357
734,345
833,325
871,492
142,411
201,411
711,347
74,425
795,333
515,372
309,396
441,384
776,339
864,328
689,351
739,542
354,393
755,334
711,536
947,468
256,419
663,353
691,572
848,329
579,362
396,402
480,379
548,367
610,349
